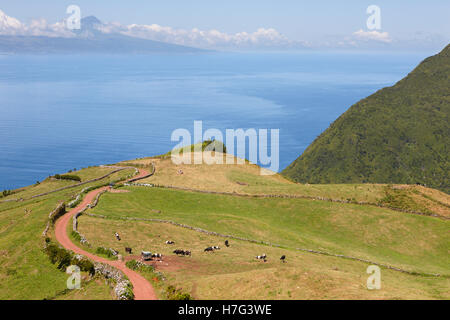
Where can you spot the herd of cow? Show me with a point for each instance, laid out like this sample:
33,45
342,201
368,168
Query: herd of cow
146,256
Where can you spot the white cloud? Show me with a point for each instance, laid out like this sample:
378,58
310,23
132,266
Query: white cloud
9,25
37,27
372,36
263,37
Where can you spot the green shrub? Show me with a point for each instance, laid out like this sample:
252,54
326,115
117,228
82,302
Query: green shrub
6,193
105,252
59,211
132,264
52,251
85,265
58,256
135,265
63,258
176,294
76,236
67,177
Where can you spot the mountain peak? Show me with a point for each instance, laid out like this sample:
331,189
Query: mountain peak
89,27
90,22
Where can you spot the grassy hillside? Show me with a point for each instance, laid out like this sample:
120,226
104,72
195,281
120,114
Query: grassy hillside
25,270
246,179
234,273
400,134
413,242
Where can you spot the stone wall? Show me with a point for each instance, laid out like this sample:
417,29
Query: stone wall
123,288
273,244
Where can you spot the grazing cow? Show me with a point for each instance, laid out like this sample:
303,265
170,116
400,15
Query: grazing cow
157,255
169,242
182,252
262,257
209,249
117,236
283,258
128,250
227,244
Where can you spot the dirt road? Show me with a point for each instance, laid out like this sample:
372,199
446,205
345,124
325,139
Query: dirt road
141,287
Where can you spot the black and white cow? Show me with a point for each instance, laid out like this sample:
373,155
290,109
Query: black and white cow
169,242
157,256
262,257
117,236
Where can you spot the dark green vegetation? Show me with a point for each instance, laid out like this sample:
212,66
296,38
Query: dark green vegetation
207,145
67,177
177,294
64,258
101,251
400,134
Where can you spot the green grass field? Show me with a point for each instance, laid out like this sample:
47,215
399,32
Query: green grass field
246,179
412,242
234,273
25,270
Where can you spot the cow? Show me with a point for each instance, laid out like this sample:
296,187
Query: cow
128,250
227,244
283,258
262,257
157,255
169,242
182,252
209,249
117,236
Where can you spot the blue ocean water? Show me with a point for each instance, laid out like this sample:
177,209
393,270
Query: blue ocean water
63,112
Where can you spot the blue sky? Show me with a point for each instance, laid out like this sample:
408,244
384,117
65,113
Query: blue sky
296,19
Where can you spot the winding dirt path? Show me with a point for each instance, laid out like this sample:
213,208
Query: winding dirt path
141,287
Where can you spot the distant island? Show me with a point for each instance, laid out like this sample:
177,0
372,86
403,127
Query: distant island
89,39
